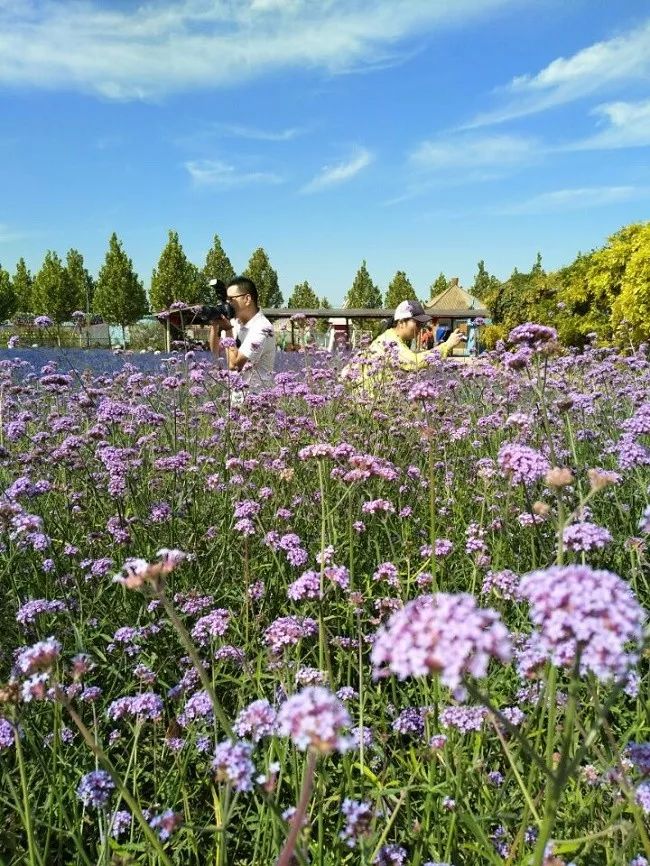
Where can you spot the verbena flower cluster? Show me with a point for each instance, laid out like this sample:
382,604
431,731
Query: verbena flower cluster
587,617
443,634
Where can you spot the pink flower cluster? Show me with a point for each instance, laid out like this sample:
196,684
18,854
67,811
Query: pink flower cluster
588,615
445,634
314,719
523,465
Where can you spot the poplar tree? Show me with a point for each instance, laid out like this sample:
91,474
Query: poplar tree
22,284
439,285
52,292
400,289
303,297
217,266
259,270
363,293
175,278
120,298
80,281
7,295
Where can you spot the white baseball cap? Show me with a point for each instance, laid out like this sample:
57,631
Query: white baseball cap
411,310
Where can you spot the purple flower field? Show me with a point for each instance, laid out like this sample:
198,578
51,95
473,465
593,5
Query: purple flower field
325,625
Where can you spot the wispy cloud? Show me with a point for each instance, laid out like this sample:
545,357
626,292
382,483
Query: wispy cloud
237,130
144,51
626,124
460,151
218,174
575,199
340,172
591,70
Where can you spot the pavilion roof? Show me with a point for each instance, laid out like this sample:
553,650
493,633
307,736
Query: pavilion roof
455,302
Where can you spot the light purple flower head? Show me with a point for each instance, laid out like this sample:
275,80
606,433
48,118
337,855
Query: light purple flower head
257,720
232,764
522,464
581,612
95,789
532,334
445,634
314,718
43,322
585,536
39,657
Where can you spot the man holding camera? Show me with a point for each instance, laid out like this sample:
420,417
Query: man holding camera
253,355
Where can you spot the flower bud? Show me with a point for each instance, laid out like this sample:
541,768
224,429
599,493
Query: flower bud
559,476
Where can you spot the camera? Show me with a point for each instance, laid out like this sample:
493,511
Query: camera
207,313
181,315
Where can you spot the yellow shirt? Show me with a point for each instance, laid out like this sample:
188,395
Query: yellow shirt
387,351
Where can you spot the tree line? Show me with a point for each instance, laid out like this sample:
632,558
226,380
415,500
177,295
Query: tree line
605,292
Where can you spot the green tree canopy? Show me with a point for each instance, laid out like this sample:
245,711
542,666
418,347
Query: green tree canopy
81,283
52,293
484,283
363,293
120,297
217,266
438,285
303,297
175,278
400,289
259,270
325,303
22,284
7,295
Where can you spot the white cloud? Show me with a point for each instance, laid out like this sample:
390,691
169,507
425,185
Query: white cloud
462,151
240,131
576,199
216,173
627,124
146,51
333,175
591,70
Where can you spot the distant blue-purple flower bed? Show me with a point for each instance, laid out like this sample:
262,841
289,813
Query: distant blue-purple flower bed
106,361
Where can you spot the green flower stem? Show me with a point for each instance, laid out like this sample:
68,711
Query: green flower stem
191,650
34,856
123,791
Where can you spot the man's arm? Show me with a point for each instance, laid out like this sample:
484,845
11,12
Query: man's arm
234,358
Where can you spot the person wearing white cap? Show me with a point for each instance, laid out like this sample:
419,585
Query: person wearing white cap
394,344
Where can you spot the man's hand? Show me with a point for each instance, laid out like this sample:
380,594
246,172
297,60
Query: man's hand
454,339
221,324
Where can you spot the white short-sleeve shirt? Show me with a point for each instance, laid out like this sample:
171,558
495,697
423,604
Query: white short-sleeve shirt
257,343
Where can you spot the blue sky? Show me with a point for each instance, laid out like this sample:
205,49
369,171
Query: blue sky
421,135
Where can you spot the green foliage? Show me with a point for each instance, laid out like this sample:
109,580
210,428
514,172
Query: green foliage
363,293
175,278
400,289
53,294
325,303
81,283
22,282
119,297
438,285
484,283
259,270
631,308
303,297
217,266
606,292
7,295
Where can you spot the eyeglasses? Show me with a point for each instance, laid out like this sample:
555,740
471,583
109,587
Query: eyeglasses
232,297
